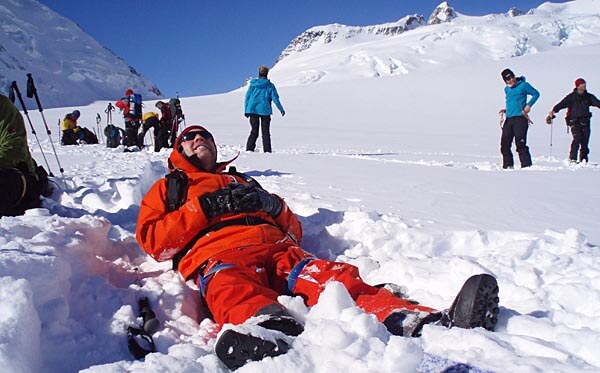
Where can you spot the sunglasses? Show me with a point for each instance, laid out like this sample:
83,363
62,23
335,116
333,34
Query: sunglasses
509,78
192,135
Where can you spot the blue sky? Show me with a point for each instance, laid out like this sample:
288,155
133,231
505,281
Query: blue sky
199,47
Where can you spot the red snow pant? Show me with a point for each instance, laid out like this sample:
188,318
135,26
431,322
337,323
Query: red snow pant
245,280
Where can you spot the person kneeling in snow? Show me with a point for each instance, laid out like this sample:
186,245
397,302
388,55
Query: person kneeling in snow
242,246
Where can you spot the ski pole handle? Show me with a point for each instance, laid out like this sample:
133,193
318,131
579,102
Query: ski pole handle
32,91
15,88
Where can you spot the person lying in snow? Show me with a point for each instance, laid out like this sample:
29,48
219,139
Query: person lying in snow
242,246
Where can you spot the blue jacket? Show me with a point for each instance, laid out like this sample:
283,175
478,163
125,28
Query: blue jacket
516,97
259,95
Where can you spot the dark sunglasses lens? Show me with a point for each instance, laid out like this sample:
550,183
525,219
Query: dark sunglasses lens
192,135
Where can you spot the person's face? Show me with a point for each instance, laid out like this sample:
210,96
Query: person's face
581,87
199,146
511,81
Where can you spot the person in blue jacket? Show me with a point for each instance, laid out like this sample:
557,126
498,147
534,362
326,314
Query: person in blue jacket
517,118
257,107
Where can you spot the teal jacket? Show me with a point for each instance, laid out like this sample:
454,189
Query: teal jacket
259,96
14,151
516,97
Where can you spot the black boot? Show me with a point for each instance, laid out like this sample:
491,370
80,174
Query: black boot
476,304
235,349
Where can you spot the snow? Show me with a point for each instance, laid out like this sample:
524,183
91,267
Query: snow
398,175
60,56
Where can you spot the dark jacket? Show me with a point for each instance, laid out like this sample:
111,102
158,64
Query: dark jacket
578,104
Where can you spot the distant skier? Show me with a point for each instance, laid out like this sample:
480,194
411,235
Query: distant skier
167,122
578,118
241,244
517,118
257,107
131,106
73,133
70,129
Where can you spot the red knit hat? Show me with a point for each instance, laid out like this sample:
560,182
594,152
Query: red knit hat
579,82
188,129
128,92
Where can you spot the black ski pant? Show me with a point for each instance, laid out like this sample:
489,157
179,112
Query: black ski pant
131,133
515,128
581,131
265,126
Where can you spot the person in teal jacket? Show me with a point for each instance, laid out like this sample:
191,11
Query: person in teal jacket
257,107
22,181
517,118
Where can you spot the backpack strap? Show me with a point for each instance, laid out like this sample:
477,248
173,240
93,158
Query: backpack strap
234,172
177,186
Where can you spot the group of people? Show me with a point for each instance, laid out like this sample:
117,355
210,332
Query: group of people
521,96
164,128
137,124
242,245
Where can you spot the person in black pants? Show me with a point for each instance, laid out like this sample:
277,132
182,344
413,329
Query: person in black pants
517,118
257,107
578,118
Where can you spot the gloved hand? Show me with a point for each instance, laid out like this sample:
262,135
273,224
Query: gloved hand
248,198
217,203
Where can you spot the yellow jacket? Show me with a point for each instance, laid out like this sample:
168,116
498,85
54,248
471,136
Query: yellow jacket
69,124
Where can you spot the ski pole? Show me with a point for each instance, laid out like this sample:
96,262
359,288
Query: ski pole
98,120
58,133
32,91
139,338
15,90
182,115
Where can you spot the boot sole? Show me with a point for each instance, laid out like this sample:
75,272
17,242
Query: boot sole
235,349
476,305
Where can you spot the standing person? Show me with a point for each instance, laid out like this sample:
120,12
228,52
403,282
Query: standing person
257,107
517,118
578,118
131,106
22,182
70,129
166,123
241,244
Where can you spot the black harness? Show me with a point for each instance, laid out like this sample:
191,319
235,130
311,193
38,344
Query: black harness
177,188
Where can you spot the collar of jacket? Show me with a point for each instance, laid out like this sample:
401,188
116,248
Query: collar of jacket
179,161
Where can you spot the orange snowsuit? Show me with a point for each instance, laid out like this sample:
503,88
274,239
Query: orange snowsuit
243,268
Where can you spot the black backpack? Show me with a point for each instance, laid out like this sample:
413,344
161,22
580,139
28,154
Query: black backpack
114,136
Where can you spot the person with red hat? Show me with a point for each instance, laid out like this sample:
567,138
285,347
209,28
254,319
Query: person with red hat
578,118
241,245
131,106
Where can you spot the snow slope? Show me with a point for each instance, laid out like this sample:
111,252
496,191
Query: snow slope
70,67
339,52
398,175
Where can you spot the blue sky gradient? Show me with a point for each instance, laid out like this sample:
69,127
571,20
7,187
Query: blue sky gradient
200,47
